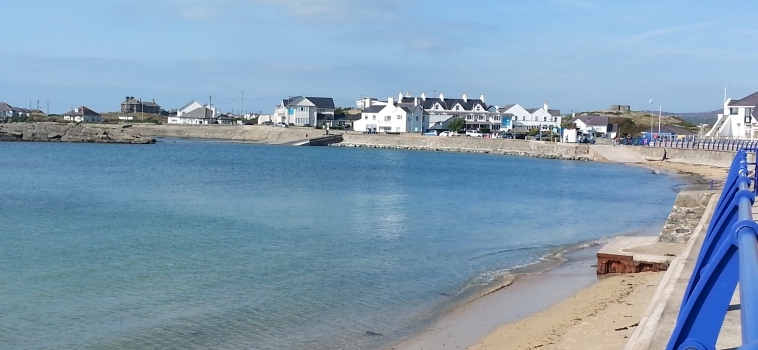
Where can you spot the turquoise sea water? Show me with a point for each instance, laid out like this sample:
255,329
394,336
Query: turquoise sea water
197,244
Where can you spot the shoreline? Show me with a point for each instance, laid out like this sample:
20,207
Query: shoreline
554,314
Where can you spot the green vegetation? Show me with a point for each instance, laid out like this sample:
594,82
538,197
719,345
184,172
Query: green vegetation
457,124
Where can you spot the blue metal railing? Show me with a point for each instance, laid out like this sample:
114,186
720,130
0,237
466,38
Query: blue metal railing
729,255
720,145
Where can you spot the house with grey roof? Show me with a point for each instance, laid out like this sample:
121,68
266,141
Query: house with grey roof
302,110
197,116
133,105
542,118
395,116
6,111
82,114
737,121
593,124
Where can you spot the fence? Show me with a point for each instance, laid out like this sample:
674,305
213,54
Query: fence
721,145
729,255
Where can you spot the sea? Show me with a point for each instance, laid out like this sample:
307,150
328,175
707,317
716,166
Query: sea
204,244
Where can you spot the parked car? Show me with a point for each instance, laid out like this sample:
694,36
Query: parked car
473,133
431,133
281,124
268,123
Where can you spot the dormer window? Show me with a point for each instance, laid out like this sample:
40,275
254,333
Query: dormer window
733,110
457,107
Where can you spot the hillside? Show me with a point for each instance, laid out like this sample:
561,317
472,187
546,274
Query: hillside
635,122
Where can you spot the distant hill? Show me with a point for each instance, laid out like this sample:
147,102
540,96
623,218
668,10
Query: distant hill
697,118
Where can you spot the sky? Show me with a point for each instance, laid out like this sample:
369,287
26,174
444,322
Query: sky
579,55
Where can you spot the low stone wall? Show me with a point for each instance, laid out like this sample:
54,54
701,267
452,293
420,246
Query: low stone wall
69,132
688,209
540,149
693,156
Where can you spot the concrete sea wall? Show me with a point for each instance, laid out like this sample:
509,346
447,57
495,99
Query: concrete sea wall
693,156
250,133
540,149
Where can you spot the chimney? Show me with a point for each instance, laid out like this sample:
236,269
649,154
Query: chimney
545,106
415,101
442,96
127,98
400,97
465,98
390,101
407,94
423,96
481,97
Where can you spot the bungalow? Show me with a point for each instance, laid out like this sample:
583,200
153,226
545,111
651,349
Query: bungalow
594,124
393,117
670,132
302,110
132,105
82,115
737,120
198,116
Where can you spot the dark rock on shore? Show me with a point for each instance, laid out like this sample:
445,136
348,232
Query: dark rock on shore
69,132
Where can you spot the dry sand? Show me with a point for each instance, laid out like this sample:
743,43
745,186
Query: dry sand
601,316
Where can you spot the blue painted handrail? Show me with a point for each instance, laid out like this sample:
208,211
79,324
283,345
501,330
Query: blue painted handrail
729,255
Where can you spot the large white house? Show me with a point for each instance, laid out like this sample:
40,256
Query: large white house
737,120
543,118
302,110
82,115
393,117
441,109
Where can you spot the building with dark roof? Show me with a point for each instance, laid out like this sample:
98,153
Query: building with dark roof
302,110
394,116
133,105
738,120
82,115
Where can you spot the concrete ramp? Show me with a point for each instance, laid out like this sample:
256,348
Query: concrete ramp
618,154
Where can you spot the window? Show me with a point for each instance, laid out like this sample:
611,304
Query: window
481,117
399,117
416,118
302,109
496,118
468,117
373,117
321,110
457,108
733,110
544,119
365,117
387,118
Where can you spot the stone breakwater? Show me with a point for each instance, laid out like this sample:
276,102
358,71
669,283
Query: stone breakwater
69,132
521,148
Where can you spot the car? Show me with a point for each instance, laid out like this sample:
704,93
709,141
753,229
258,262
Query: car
281,124
268,123
431,133
473,133
505,135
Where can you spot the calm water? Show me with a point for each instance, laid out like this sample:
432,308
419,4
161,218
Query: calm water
191,244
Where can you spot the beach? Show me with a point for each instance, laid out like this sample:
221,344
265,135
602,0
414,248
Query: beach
567,307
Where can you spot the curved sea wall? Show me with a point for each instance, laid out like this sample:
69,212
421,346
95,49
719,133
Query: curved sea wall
541,149
251,133
70,132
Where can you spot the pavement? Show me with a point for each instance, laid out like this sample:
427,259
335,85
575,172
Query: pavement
617,154
656,327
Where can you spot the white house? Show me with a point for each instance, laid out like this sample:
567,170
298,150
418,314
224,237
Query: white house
302,110
737,120
393,117
6,111
543,118
198,116
82,115
594,124
441,109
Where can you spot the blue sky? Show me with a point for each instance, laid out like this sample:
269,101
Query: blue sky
576,54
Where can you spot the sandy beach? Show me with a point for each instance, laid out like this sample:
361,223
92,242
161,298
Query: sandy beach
567,308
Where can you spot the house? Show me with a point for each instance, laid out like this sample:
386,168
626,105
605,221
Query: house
737,120
440,109
594,123
301,110
224,119
82,115
132,105
195,119
345,119
393,117
541,118
198,116
6,111
21,112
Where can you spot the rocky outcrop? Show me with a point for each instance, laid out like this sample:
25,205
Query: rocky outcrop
69,132
685,215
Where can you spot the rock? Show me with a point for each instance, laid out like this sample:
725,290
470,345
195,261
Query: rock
54,136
